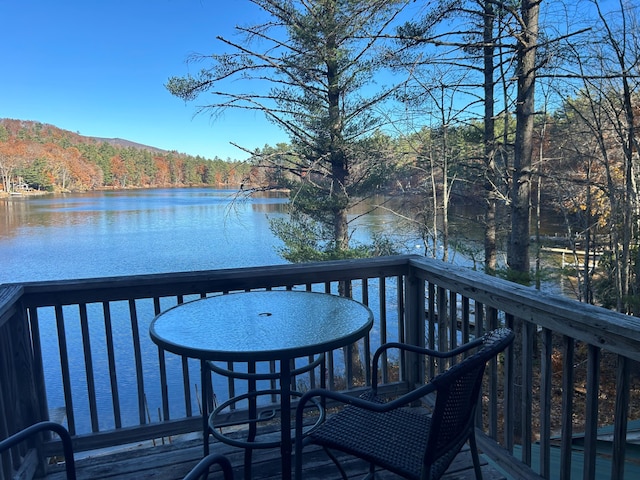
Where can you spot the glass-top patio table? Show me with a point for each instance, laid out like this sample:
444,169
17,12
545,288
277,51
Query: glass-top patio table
259,326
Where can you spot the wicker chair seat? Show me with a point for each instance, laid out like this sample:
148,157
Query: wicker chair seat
379,438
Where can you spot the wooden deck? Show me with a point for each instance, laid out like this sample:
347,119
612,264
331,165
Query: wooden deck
579,359
172,461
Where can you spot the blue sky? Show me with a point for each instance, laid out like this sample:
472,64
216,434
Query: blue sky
98,67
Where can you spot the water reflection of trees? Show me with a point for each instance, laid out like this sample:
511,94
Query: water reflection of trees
269,202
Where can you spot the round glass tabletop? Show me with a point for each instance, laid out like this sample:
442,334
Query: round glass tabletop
265,325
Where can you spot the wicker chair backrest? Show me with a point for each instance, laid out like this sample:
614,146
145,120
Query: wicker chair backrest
457,395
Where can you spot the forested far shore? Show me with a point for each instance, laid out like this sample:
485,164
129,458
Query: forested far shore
37,157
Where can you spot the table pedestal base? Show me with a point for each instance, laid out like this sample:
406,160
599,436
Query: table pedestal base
254,417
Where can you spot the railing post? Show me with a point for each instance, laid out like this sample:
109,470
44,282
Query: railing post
19,402
414,325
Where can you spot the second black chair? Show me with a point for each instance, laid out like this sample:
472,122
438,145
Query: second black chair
399,439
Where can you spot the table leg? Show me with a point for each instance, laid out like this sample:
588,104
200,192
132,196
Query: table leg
285,418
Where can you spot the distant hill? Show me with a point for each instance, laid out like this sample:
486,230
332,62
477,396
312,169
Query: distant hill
48,131
121,142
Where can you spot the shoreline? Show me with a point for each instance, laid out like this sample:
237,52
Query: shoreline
40,193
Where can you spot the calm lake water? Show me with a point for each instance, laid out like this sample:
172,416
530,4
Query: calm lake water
131,232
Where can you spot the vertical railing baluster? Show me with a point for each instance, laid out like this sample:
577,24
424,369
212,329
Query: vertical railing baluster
623,387
164,387
273,383
528,332
186,377
509,391
313,383
382,317
431,324
366,356
591,412
466,319
402,337
137,354
329,355
546,374
348,369
186,386
443,342
568,376
401,324
111,360
64,366
478,319
231,385
492,367
88,365
453,321
348,351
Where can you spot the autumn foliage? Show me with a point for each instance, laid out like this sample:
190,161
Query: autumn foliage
47,158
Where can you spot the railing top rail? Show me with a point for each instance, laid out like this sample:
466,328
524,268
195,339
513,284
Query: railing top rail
607,329
604,328
64,292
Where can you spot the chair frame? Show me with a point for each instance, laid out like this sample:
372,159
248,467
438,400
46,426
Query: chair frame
488,346
45,426
202,467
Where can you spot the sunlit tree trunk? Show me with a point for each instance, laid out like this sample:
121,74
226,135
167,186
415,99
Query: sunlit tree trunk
434,202
445,194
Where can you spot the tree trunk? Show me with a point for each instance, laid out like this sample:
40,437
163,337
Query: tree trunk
434,201
518,255
490,247
445,195
339,166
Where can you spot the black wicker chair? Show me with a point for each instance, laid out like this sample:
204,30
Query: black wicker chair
411,444
197,472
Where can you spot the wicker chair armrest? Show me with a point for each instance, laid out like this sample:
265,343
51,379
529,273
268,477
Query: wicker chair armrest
415,349
361,401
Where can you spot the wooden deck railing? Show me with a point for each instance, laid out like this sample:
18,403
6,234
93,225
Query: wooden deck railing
79,351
